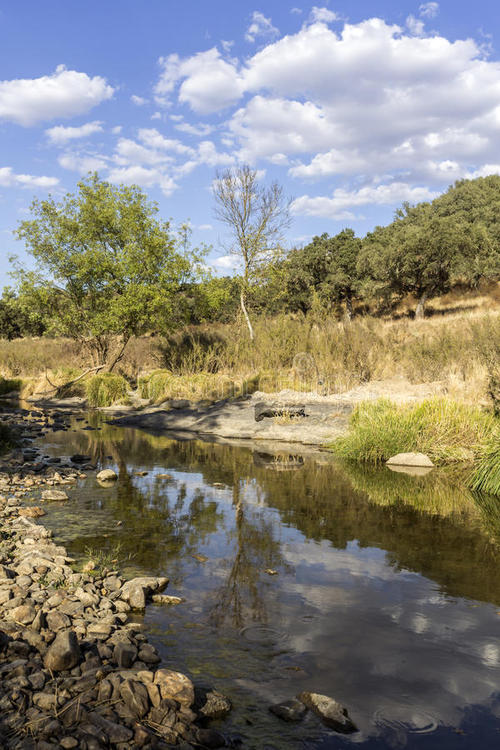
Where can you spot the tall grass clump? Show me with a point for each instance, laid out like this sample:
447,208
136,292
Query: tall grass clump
444,430
162,385
486,474
7,385
106,389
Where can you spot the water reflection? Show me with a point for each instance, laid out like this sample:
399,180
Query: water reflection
300,574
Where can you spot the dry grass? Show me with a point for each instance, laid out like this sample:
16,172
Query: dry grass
460,351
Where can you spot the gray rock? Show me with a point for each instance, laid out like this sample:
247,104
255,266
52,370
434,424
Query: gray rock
124,654
107,475
57,621
410,459
212,704
151,585
330,712
292,710
135,695
54,495
45,701
63,653
114,732
137,597
176,686
24,614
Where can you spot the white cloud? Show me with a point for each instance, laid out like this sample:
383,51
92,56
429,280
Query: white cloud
429,10
139,101
200,129
144,177
117,129
205,227
260,26
82,163
9,179
322,15
209,83
415,26
154,139
337,207
296,11
65,93
225,262
156,116
61,134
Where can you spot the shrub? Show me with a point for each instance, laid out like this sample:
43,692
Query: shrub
161,385
8,385
486,474
446,431
106,389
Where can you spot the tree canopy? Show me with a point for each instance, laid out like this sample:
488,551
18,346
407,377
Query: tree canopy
106,266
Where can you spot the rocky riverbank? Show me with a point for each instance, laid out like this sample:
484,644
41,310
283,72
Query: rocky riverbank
75,671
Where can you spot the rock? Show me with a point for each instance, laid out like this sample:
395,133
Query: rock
33,512
57,621
6,573
165,599
45,701
114,732
24,614
78,458
68,743
410,459
135,695
137,597
176,686
212,704
55,495
151,584
63,653
292,710
107,475
330,712
275,409
179,403
210,738
124,654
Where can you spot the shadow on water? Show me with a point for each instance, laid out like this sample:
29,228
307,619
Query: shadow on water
299,573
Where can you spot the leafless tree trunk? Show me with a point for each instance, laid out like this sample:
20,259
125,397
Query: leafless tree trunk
256,217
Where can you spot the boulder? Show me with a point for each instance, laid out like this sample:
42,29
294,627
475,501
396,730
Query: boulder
331,713
136,697
54,495
176,686
211,704
107,475
63,653
124,654
410,459
292,710
150,584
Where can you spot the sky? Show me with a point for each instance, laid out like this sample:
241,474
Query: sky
352,106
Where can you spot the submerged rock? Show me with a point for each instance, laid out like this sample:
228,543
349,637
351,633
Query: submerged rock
292,710
107,475
330,712
54,495
410,459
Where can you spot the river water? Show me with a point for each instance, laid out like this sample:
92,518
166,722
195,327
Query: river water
380,590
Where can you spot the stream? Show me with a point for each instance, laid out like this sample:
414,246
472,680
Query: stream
378,589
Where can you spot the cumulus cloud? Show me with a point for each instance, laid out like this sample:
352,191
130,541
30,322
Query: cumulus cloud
144,177
322,15
209,83
82,163
260,27
65,93
8,178
60,134
139,101
429,10
337,206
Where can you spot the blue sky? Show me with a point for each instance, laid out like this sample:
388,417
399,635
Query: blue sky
353,106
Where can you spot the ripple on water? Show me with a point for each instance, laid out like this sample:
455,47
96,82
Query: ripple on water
263,635
405,719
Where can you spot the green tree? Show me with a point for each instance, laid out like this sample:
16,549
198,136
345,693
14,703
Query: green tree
327,266
107,268
425,254
256,217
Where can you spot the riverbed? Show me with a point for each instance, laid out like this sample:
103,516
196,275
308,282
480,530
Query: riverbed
380,590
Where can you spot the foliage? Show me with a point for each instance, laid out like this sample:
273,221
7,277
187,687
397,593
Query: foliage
446,431
161,385
106,265
106,389
6,438
7,385
327,266
486,474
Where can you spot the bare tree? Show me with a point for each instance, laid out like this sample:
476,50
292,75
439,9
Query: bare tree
256,216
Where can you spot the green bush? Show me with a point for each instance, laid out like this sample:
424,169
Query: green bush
486,474
446,431
6,385
106,389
